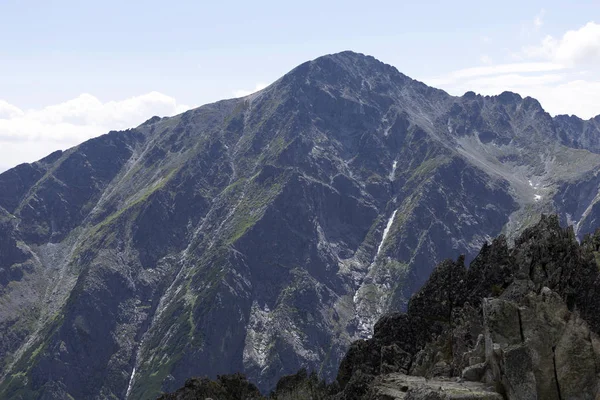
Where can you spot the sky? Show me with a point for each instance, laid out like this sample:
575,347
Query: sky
72,70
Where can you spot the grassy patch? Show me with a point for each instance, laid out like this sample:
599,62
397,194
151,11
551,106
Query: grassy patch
258,194
426,168
18,383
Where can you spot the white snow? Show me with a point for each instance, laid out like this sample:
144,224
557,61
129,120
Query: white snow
394,165
130,383
386,231
536,185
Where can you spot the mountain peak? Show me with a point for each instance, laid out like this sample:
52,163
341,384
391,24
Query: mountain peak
349,55
346,68
354,61
508,97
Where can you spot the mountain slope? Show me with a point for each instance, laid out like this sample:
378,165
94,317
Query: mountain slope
520,323
265,233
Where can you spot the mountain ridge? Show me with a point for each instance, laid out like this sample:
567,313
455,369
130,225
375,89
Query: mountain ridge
265,233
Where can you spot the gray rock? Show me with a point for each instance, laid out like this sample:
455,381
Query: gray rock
502,322
518,377
394,359
575,362
474,372
399,386
477,354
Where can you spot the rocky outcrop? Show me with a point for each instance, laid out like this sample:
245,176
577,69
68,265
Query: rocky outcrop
514,321
402,387
230,387
552,355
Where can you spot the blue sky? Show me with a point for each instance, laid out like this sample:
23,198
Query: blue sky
70,70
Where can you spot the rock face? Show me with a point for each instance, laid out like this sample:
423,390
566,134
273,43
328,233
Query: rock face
524,337
402,387
267,233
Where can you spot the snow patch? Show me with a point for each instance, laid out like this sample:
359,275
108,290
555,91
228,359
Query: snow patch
130,383
392,174
386,231
572,222
536,185
537,197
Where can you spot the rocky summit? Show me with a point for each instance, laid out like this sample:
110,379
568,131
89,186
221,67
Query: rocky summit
520,323
267,233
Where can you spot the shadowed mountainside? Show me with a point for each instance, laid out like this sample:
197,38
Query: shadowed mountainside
265,233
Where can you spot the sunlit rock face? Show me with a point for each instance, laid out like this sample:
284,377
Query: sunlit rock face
265,233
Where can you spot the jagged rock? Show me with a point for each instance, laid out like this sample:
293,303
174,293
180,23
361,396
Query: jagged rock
543,320
553,355
523,343
467,337
227,387
443,292
517,375
474,372
575,362
476,355
394,359
300,386
434,360
502,322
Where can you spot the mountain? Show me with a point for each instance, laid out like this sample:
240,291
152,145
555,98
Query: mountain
520,323
266,233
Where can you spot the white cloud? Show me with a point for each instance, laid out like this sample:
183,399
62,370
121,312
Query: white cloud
515,80
27,135
485,59
579,46
499,69
564,92
8,110
538,20
244,93
556,95
559,73
578,97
